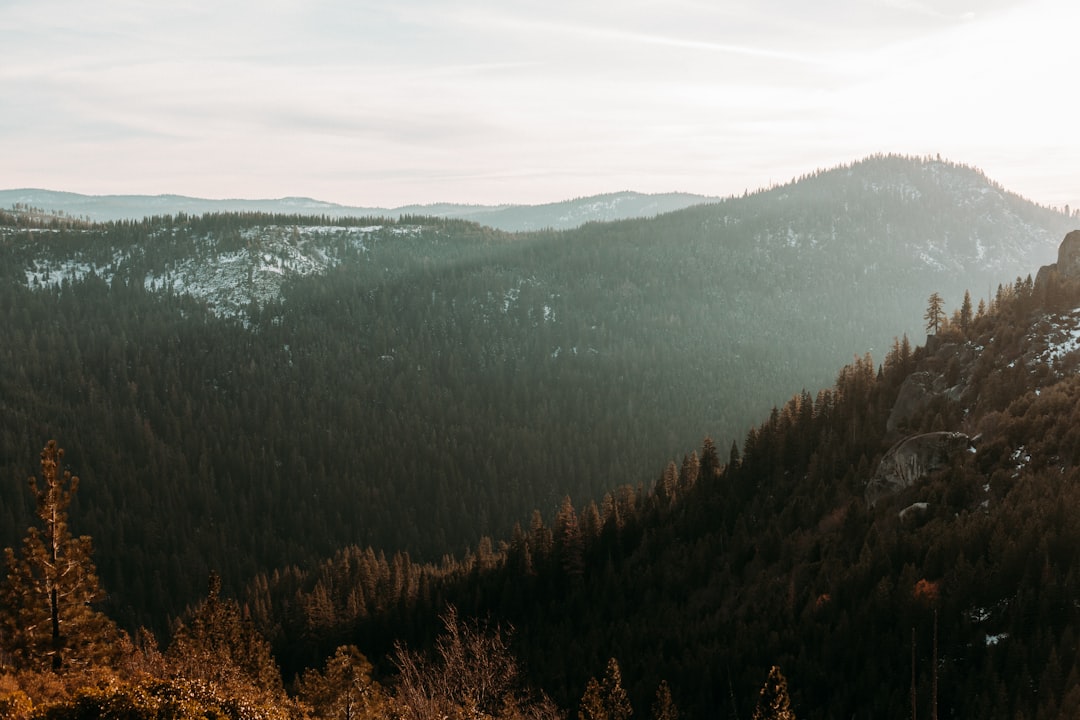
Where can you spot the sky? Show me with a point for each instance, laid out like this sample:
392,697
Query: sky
381,104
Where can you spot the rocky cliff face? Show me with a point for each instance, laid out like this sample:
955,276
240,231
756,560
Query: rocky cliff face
1066,271
1068,262
921,389
1049,350
912,459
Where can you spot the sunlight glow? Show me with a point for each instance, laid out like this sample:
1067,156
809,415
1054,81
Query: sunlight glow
419,101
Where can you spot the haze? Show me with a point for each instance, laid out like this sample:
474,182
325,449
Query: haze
390,103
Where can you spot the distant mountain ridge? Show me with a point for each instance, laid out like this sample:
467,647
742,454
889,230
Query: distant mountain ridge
513,218
935,222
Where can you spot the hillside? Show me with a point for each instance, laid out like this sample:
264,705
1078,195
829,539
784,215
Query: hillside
246,391
773,555
952,595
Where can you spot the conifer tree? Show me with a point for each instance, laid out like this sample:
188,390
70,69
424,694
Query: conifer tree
710,460
773,701
935,313
46,619
616,699
592,702
217,644
667,484
570,543
689,470
664,706
606,699
344,690
965,313
733,455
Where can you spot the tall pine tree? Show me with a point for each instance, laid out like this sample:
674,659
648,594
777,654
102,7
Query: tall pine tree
935,313
46,618
773,701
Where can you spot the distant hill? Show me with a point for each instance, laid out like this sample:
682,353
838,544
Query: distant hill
248,391
558,216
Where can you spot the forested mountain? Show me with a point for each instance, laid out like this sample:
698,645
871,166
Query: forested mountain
779,581
247,391
514,218
950,595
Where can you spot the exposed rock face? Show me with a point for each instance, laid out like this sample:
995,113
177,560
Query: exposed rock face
912,459
921,389
913,510
1067,268
915,394
1068,262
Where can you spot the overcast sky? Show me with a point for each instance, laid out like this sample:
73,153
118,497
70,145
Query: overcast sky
402,101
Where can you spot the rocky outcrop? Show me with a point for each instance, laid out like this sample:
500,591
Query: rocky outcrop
920,390
1068,262
912,459
914,510
917,392
1066,271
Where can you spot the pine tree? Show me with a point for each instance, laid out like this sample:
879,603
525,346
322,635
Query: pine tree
935,313
965,313
667,485
773,701
689,470
345,690
46,619
606,699
217,644
592,702
733,455
710,460
570,544
615,697
664,706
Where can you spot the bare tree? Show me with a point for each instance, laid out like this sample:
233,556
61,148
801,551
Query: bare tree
472,675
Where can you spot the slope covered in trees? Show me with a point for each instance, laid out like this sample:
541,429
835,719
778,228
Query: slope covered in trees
759,585
955,593
436,381
760,582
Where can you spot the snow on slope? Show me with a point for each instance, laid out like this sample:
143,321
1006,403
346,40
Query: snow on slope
1059,338
229,281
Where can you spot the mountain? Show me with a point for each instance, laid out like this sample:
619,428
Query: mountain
513,218
953,594
899,541
248,391
780,577
564,215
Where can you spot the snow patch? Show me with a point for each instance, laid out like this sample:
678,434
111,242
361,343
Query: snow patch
1057,351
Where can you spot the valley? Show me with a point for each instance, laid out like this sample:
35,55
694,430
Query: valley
355,421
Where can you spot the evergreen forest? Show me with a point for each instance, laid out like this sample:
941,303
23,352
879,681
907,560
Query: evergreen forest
457,443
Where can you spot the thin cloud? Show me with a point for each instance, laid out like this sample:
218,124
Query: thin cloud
377,103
